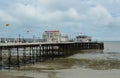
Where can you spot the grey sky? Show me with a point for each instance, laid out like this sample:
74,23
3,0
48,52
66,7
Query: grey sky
97,18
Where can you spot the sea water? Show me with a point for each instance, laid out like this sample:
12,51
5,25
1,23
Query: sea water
111,51
112,47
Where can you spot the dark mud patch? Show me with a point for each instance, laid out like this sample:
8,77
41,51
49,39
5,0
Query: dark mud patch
52,75
7,76
66,63
23,77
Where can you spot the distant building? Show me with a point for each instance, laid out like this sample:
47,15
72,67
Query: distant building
83,38
5,40
51,36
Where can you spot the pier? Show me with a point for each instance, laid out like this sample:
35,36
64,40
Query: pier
19,54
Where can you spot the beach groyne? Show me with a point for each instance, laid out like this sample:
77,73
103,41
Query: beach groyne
19,54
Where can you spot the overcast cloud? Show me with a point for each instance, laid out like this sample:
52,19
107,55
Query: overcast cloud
97,18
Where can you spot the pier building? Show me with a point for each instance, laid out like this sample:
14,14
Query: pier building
83,38
64,38
51,36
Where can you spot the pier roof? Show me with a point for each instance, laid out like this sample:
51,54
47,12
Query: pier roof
52,31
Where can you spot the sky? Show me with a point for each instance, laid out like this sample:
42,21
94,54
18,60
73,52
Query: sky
97,18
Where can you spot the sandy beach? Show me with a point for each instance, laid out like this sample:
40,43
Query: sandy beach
89,73
66,73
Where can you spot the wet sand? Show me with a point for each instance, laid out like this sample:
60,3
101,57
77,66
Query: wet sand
89,73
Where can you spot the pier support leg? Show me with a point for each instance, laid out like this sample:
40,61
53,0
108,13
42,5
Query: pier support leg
52,52
30,55
33,55
40,54
24,56
1,58
18,61
9,58
58,50
64,52
37,58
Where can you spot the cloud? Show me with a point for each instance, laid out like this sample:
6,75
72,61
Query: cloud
5,17
31,12
99,15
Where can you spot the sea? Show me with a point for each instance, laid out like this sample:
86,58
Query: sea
111,51
112,47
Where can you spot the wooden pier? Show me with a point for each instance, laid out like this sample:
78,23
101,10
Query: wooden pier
19,54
